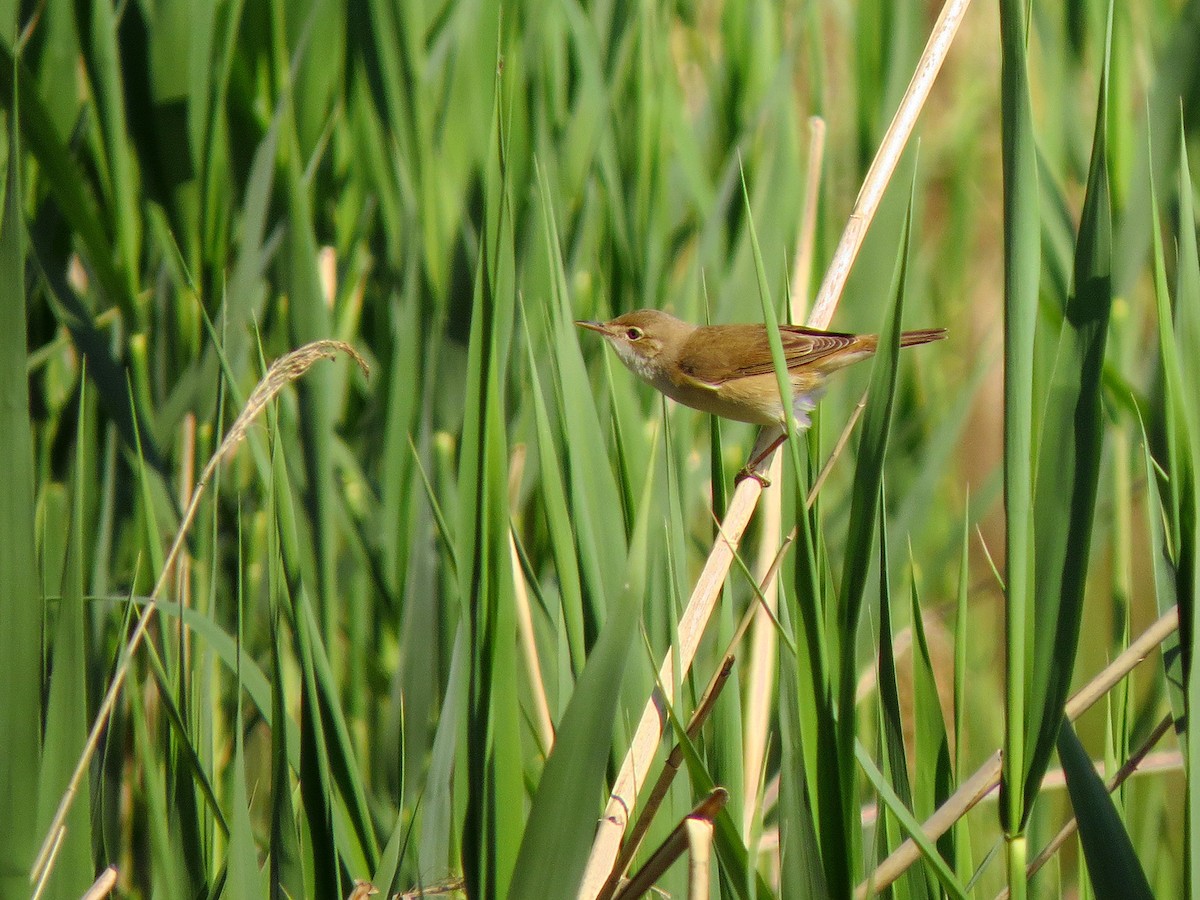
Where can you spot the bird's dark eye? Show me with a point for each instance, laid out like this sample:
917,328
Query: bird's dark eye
633,334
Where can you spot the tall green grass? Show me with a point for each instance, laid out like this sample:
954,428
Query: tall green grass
417,615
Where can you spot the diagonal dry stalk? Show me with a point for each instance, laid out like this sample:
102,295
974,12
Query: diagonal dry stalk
1131,765
640,756
282,372
673,847
699,716
102,886
987,776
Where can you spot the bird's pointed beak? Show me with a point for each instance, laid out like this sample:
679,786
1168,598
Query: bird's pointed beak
599,327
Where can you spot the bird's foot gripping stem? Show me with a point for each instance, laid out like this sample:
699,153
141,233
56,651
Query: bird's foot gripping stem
768,441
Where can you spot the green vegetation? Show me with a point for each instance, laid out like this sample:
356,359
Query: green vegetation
407,632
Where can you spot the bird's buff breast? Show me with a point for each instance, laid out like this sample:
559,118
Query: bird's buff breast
754,399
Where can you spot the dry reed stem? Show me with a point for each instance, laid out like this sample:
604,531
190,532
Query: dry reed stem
699,716
1129,768
533,667
807,239
282,372
671,848
102,886
665,778
886,159
640,755
988,775
760,671
699,838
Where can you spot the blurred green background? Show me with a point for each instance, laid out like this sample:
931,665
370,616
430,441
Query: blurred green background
396,588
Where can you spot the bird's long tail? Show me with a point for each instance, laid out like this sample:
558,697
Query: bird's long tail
921,336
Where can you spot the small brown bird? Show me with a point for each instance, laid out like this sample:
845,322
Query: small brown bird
727,370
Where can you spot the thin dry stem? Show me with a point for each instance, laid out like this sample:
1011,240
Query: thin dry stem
699,716
838,449
102,886
283,371
671,849
886,159
699,838
665,778
760,671
533,667
805,243
988,775
649,731
1131,766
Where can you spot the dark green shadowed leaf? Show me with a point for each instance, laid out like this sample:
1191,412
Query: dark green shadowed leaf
315,781
1112,864
316,788
285,870
810,780
1186,457
1069,467
21,601
103,369
242,878
119,181
77,203
169,876
354,828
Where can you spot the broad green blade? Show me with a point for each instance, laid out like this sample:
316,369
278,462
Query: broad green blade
1113,866
1068,468
309,320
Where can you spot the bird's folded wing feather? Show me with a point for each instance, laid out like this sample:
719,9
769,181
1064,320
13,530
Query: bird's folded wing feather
746,351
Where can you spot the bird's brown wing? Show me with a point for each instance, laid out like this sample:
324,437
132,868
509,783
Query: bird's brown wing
742,350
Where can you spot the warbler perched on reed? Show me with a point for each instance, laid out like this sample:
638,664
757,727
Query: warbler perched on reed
727,370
